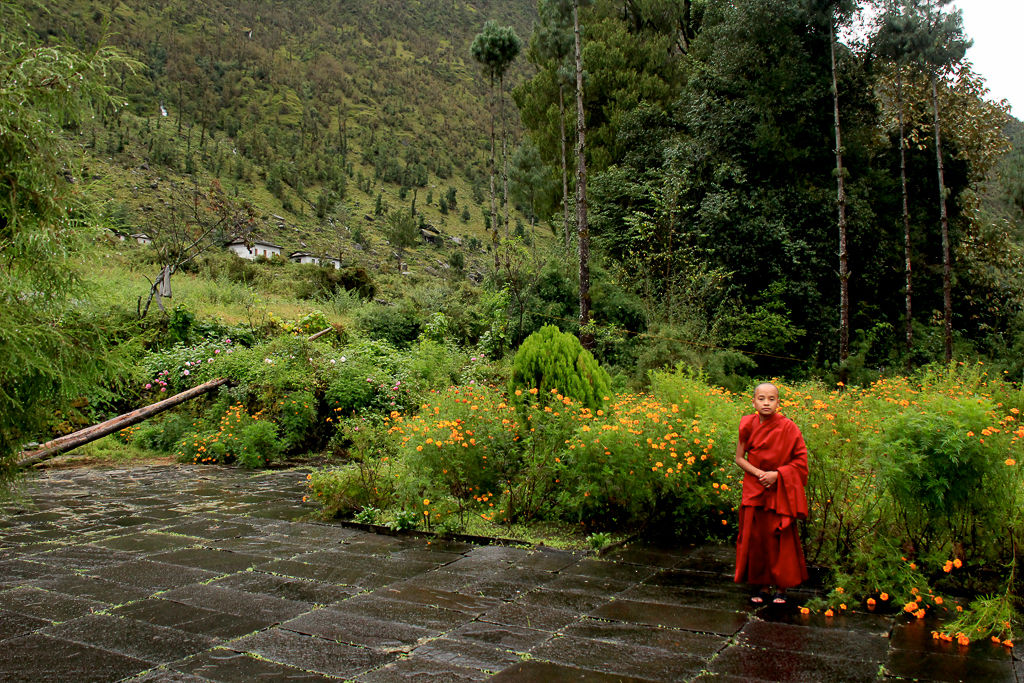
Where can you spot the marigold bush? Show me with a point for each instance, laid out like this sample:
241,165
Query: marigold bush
895,474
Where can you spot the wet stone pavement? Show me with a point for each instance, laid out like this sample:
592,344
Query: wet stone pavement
190,574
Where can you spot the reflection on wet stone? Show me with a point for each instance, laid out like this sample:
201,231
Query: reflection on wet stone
190,574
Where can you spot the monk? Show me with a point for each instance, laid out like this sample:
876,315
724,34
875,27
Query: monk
772,454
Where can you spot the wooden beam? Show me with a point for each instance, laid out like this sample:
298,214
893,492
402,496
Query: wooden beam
89,434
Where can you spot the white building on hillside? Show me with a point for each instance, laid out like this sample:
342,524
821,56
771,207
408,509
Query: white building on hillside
306,257
258,248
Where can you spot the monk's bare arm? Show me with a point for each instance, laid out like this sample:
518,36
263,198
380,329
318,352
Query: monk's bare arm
741,459
767,479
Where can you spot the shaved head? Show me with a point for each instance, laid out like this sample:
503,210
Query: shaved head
763,385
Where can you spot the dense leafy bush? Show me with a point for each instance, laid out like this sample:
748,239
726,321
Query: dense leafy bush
550,359
324,282
297,415
161,437
398,325
367,482
260,445
350,388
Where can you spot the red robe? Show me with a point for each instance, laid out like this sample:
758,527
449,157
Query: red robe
768,550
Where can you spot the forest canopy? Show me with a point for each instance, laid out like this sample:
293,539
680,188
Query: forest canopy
712,134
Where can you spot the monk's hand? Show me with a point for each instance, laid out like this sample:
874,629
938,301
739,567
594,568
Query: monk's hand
768,479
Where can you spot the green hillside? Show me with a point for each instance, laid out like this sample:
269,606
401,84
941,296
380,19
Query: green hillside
309,111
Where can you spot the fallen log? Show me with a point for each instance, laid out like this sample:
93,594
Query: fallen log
320,333
89,434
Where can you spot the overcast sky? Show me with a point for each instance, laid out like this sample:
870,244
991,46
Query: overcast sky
998,52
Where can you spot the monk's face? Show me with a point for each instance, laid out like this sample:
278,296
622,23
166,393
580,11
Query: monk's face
766,400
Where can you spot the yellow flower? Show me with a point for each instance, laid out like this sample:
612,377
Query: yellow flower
1011,462
426,501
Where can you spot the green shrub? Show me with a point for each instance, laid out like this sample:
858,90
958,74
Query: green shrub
161,437
350,388
259,445
394,324
462,445
297,416
550,359
368,481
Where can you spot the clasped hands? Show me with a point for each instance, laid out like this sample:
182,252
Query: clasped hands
768,479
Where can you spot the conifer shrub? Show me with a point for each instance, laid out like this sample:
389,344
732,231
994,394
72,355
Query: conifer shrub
552,360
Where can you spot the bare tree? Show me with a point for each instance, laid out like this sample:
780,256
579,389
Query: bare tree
194,223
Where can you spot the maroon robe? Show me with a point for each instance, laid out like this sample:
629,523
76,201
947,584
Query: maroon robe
768,550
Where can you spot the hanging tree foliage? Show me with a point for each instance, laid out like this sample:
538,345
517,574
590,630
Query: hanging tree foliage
52,345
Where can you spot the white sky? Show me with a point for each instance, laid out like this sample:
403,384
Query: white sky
998,53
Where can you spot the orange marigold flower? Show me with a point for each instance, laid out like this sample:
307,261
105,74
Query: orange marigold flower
1008,643
910,607
938,599
829,613
803,610
957,563
884,597
1011,462
962,639
871,602
919,614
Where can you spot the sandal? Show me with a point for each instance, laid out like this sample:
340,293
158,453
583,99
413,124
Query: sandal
780,599
760,599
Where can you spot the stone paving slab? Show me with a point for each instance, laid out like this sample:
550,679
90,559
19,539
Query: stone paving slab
138,639
228,666
419,670
37,657
202,574
387,636
310,653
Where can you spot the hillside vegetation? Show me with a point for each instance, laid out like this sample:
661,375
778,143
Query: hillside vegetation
310,111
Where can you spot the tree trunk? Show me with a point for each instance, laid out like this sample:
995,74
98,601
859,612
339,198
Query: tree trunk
583,231
504,150
494,203
844,273
947,267
565,171
906,212
90,434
